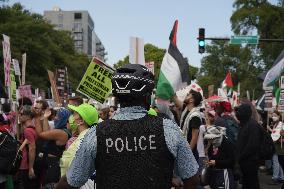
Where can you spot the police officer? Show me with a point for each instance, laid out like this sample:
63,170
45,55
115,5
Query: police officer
133,149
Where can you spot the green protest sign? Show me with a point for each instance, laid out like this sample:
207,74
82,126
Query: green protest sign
96,82
13,85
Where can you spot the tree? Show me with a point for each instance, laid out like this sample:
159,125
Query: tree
240,61
264,18
151,53
46,48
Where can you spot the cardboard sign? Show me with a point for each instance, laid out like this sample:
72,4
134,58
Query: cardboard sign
26,91
16,67
24,62
60,81
136,51
7,59
281,98
96,82
13,86
268,98
53,87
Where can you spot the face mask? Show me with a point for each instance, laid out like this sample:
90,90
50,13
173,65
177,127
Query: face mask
72,123
274,118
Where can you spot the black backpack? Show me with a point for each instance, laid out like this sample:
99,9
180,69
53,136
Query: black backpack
267,148
10,155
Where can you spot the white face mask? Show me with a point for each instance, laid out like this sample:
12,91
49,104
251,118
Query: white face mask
274,118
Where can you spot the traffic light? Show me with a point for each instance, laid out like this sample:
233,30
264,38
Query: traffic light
201,40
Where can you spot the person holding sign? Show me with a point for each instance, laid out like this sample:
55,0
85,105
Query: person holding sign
133,149
278,157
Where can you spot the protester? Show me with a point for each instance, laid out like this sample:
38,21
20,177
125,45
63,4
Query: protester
26,175
191,119
40,106
104,114
134,149
112,110
248,147
24,101
85,116
165,109
175,110
75,101
202,157
4,128
209,121
221,158
255,115
57,139
225,119
73,127
277,126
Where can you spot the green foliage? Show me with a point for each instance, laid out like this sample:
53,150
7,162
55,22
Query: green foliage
266,19
152,53
46,48
155,54
245,62
240,61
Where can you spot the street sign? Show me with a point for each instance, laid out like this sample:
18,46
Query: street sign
247,39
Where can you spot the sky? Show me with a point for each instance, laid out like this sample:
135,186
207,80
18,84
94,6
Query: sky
117,21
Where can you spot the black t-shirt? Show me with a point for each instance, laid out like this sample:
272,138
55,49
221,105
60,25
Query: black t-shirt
224,155
194,123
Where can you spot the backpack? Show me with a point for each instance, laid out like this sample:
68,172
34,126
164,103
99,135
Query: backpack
10,155
267,148
232,129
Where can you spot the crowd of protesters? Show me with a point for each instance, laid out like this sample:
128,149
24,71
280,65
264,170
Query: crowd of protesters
225,142
53,135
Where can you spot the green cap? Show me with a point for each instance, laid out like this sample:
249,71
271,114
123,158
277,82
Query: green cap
88,112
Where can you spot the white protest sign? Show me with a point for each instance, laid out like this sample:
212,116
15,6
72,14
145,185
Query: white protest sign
7,59
136,52
16,67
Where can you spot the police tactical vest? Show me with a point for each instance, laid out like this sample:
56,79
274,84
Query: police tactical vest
133,154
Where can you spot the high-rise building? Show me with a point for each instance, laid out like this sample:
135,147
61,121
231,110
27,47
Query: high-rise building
81,26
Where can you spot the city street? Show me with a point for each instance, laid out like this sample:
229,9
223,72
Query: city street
264,179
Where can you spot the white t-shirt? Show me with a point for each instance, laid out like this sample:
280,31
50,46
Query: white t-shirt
200,141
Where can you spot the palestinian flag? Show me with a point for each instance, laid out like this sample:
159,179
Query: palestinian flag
275,72
227,83
174,72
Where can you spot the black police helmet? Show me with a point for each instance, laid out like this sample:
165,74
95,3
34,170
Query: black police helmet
133,80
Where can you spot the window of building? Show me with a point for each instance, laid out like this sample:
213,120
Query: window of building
78,36
77,26
78,43
60,18
77,15
60,26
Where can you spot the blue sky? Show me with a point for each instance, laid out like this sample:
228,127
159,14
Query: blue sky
116,21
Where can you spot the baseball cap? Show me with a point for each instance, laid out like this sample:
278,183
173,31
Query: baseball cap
88,112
